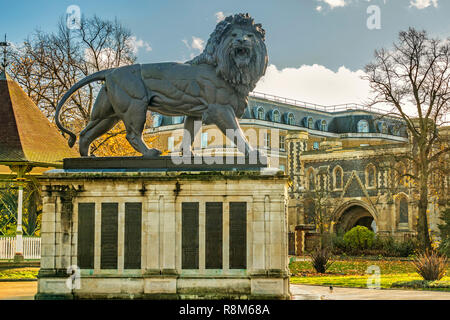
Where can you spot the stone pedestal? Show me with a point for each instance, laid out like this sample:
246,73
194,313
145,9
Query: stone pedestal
161,235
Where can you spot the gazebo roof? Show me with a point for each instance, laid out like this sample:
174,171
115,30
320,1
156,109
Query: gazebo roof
26,135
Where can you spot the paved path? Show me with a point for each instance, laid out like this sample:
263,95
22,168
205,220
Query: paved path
26,290
302,292
18,290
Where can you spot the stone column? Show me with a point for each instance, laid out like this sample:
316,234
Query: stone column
295,145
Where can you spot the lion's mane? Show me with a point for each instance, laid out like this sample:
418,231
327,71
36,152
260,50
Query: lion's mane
217,53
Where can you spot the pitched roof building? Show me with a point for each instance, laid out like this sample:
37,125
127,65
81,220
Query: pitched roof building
26,135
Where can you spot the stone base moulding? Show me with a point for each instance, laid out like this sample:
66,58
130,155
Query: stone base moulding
163,235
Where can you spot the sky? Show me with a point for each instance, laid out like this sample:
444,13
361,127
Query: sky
317,48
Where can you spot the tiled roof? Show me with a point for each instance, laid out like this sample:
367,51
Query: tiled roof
26,135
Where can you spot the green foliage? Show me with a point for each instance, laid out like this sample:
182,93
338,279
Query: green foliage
392,248
421,284
8,211
19,273
356,266
359,237
444,228
353,273
383,247
31,210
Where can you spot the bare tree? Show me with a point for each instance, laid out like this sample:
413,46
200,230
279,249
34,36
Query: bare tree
46,65
319,203
413,78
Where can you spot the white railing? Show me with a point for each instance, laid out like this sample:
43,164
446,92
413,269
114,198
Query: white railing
31,247
314,106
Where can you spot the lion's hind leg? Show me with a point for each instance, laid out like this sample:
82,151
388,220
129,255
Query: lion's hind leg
134,120
102,120
99,128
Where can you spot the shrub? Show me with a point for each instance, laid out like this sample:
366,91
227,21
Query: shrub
359,237
405,248
392,248
384,246
430,265
320,259
338,244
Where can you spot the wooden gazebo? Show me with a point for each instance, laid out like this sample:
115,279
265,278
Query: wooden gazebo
28,142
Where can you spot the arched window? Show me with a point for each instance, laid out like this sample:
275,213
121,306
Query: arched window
310,123
371,174
382,127
323,125
363,126
260,114
311,179
338,178
403,210
290,119
276,115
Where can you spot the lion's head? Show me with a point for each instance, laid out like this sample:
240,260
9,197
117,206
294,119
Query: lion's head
237,49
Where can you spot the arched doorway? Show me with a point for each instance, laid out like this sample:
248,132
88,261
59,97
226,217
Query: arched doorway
355,215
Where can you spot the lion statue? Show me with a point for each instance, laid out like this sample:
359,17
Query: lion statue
212,88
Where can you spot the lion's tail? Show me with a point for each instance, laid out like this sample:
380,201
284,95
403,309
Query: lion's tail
101,75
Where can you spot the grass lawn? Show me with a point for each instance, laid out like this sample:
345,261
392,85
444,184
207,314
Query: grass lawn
352,273
19,273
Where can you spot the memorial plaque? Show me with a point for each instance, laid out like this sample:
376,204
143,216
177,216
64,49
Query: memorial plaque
213,225
238,235
86,235
109,227
133,235
189,235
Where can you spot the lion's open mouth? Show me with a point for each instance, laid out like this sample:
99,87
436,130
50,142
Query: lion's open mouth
241,56
242,52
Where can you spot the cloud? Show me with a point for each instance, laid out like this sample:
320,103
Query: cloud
422,4
195,47
136,44
334,3
198,43
219,16
342,3
316,84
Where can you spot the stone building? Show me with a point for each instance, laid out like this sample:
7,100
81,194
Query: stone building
340,151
